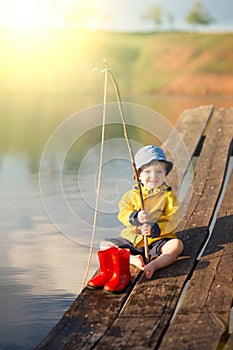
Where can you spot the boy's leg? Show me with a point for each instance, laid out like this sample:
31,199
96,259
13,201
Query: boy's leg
137,260
169,253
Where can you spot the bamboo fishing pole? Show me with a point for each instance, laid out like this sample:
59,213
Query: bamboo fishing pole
129,148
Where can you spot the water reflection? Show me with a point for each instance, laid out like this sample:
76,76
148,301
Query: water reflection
41,270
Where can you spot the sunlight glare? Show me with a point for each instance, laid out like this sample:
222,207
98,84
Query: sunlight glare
25,14
37,14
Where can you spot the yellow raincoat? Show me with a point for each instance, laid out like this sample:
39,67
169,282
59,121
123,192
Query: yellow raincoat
161,204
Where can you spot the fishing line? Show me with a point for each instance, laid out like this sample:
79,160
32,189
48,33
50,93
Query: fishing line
105,71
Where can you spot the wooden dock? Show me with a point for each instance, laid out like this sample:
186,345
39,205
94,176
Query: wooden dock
188,305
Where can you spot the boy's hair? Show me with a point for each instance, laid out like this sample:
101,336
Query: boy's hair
147,154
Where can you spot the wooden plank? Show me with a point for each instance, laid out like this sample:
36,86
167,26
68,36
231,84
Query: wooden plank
207,175
147,313
188,134
207,304
87,319
229,343
93,312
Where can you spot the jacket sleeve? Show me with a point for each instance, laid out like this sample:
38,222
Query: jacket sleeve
126,209
168,220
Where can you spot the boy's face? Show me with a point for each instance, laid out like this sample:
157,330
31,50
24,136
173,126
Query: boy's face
153,174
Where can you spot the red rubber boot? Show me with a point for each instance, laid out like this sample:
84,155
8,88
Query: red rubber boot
106,268
121,271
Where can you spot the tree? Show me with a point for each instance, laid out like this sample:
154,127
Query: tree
171,19
199,15
154,14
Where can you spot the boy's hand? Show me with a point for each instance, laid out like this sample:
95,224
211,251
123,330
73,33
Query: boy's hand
146,230
143,216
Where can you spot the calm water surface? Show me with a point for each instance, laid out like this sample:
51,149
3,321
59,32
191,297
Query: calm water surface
42,262
40,269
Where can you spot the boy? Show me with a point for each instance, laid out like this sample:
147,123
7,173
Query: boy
157,221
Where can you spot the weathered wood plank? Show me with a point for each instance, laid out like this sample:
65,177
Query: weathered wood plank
207,304
229,344
208,177
188,134
93,312
151,304
87,319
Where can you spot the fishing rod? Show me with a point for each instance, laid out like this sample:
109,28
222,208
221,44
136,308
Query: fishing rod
107,71
129,148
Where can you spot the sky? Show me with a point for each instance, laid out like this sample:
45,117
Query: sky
221,10
118,15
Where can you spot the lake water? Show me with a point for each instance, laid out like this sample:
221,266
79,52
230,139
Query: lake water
44,240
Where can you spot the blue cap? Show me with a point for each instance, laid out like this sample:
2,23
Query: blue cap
146,154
